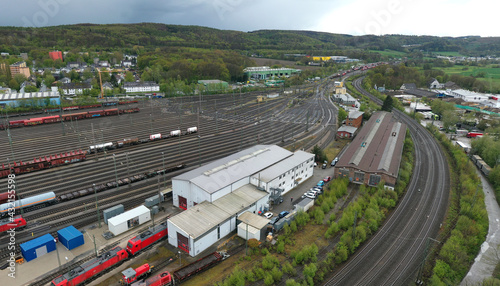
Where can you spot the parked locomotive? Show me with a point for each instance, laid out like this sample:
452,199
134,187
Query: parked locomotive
15,222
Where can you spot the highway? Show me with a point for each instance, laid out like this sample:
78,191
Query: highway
393,256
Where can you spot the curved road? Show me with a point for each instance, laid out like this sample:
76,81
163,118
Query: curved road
393,256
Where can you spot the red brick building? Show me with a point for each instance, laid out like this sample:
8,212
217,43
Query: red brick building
354,119
56,55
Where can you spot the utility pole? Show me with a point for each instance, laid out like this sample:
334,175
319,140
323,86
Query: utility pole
97,207
128,166
151,123
10,143
199,150
116,174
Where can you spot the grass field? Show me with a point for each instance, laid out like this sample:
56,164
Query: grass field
390,53
489,71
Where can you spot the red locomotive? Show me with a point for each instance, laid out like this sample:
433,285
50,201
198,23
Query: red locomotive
147,238
131,275
162,279
92,267
10,223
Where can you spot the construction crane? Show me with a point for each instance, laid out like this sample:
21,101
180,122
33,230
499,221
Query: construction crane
100,80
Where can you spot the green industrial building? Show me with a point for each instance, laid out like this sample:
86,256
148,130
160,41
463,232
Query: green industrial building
267,72
214,85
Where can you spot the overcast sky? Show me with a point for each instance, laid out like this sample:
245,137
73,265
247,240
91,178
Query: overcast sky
355,17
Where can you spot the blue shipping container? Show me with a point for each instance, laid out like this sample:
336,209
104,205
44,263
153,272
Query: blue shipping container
38,247
70,237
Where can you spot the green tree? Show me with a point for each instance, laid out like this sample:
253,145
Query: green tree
129,77
387,106
342,115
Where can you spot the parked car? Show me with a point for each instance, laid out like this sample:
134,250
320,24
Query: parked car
334,161
268,215
318,189
283,214
327,179
323,166
321,183
310,195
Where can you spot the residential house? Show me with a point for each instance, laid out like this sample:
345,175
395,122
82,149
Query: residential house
75,88
407,86
73,65
451,85
434,83
147,86
65,80
107,86
20,68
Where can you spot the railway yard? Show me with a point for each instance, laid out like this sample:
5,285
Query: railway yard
224,125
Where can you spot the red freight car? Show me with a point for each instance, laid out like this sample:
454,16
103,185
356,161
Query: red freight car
130,110
33,121
147,238
51,119
90,106
45,162
16,123
10,223
4,197
91,268
95,113
109,112
5,171
162,279
71,108
74,116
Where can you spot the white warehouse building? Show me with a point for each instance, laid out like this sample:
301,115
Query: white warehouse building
216,194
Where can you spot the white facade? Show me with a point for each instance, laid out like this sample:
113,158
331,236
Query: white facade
141,86
129,219
469,96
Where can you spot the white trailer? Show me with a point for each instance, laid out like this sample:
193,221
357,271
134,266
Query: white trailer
192,130
154,136
129,219
175,133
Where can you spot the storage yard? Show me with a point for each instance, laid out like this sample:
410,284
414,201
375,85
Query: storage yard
128,158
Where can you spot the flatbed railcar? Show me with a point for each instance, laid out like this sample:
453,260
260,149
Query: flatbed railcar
198,266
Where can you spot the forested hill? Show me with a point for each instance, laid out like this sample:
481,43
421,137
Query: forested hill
150,36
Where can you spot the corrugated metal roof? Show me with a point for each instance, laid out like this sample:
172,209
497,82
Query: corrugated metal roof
35,243
355,114
253,220
221,173
199,219
345,128
377,147
116,220
28,95
283,166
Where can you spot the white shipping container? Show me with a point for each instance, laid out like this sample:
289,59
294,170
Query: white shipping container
129,219
155,136
175,133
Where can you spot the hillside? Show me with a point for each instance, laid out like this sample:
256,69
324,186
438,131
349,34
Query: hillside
128,37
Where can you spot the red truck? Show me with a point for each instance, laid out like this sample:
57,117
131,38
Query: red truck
131,275
473,134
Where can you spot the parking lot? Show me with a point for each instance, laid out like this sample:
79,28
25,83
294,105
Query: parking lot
294,196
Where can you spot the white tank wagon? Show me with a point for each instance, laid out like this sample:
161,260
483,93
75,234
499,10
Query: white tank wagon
192,130
38,200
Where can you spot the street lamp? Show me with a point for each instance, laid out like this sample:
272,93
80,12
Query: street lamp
97,206
57,250
199,146
180,258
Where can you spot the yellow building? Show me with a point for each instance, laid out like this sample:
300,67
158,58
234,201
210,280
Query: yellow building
321,58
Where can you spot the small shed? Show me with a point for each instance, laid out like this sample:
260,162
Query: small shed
111,212
347,132
38,247
257,226
130,219
70,237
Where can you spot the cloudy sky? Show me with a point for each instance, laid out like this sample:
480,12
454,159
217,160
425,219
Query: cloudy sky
355,17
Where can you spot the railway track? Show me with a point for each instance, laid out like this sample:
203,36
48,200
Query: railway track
393,255
258,124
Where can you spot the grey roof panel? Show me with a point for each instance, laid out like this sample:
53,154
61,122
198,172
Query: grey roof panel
281,167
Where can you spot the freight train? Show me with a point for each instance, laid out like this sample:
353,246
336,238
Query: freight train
481,165
28,203
133,141
78,107
123,181
41,163
66,117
